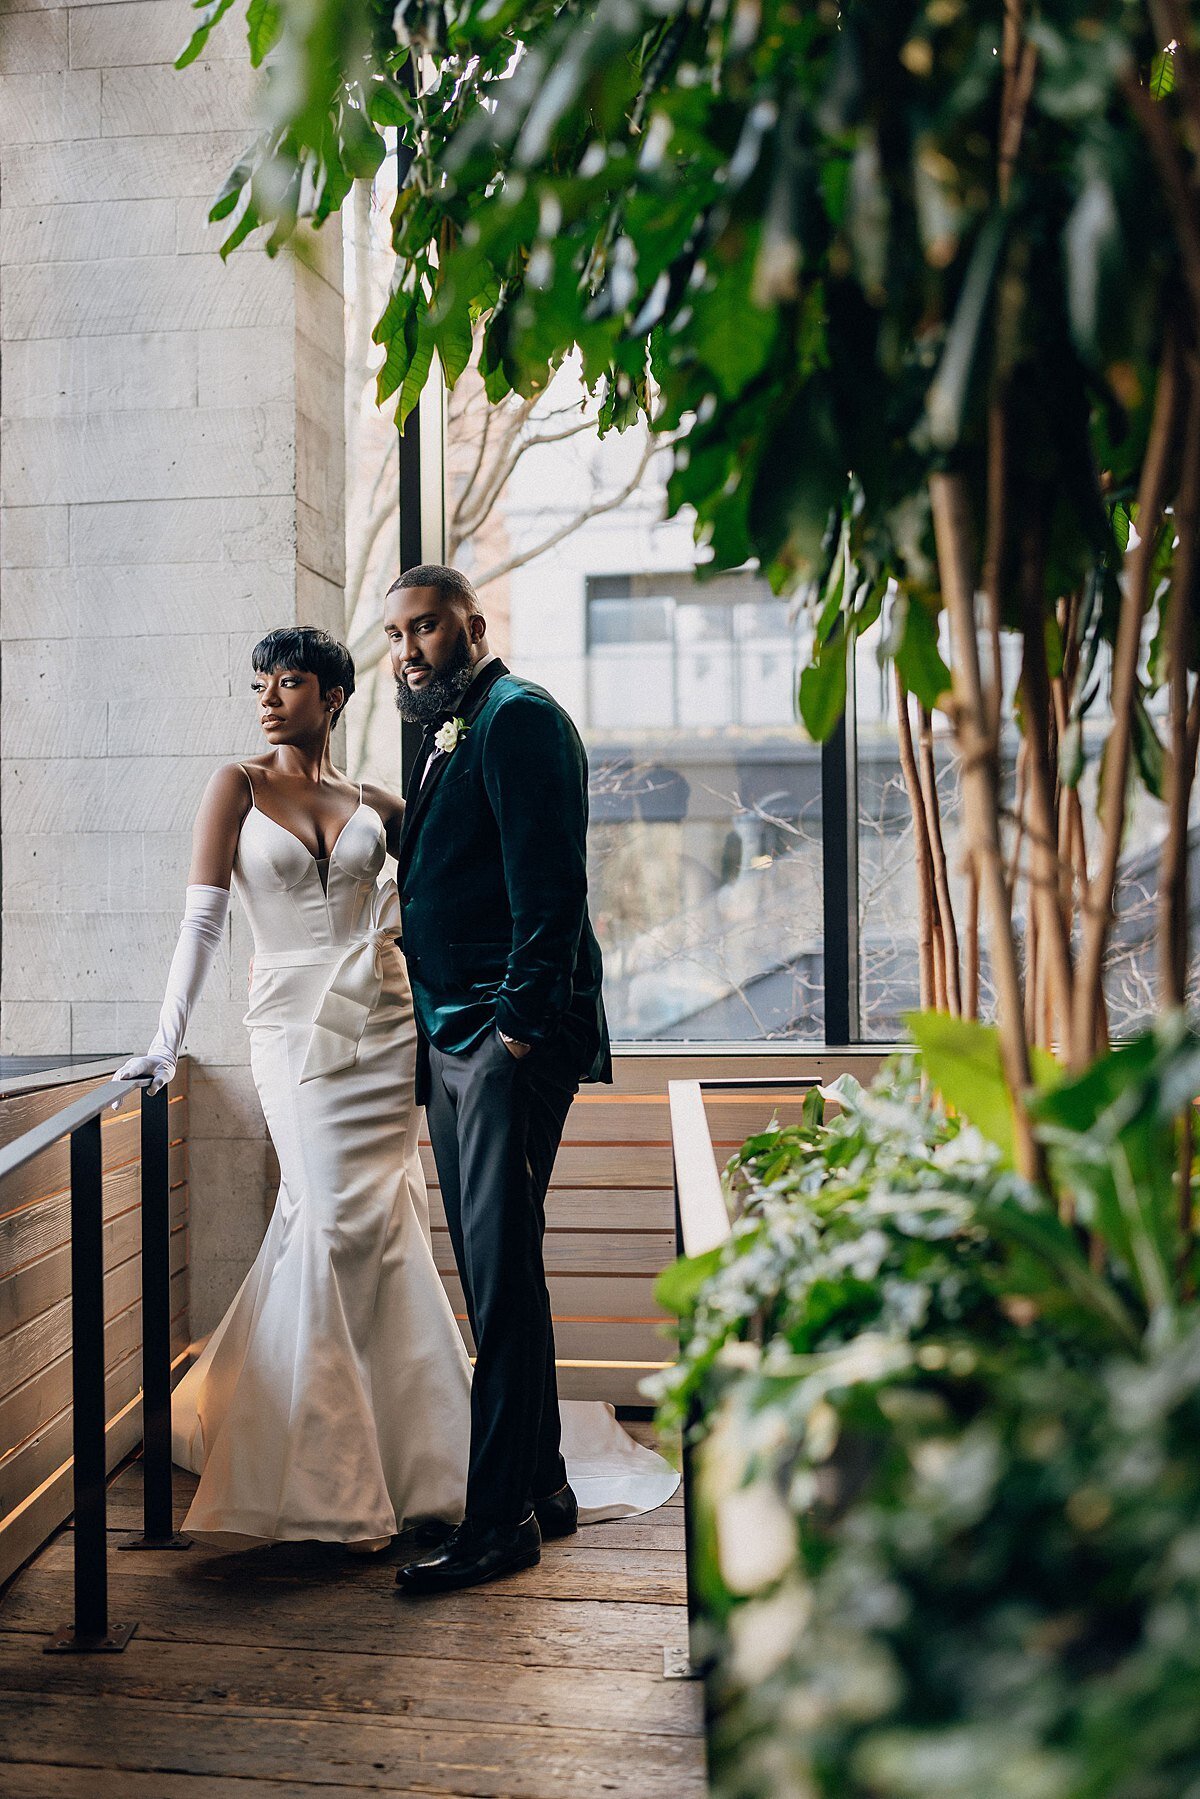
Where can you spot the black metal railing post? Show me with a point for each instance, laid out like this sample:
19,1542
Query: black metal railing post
158,1518
91,1629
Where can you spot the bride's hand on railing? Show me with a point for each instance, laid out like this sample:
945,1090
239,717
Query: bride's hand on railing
158,1071
204,913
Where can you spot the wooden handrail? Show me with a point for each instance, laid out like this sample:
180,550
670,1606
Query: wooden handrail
702,1217
702,1223
45,1135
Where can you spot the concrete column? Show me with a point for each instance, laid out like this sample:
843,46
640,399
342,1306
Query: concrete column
171,487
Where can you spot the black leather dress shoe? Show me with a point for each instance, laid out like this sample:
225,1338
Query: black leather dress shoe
557,1514
473,1554
431,1533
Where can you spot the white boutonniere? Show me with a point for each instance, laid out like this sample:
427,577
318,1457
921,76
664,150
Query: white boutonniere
449,735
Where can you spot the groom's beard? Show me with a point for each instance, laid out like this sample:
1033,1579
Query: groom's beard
441,693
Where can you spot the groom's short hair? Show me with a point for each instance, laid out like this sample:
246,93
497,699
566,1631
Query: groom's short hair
448,581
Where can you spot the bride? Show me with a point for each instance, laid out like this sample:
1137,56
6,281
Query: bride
333,1399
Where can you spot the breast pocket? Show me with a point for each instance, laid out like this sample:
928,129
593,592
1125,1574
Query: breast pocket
453,777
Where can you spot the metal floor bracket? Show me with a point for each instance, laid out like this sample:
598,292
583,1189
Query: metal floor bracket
65,1642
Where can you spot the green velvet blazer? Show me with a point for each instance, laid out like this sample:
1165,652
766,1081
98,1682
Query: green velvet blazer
492,875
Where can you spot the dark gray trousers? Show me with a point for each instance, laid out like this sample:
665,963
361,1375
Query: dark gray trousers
495,1123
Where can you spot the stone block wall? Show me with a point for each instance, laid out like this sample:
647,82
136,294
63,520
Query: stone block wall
171,486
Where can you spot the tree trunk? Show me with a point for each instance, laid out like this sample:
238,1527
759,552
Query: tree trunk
981,786
1054,944
1033,965
941,877
971,982
921,854
1018,842
1098,903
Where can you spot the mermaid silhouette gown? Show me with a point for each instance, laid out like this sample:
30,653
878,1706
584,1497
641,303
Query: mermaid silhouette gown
332,1400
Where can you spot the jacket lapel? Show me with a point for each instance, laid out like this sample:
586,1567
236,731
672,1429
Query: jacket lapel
418,796
413,785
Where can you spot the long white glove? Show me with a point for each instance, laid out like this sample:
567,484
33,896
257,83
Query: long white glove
204,914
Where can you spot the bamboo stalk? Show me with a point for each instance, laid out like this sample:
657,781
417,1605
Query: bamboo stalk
1062,810
1072,866
994,558
1102,1037
1033,962
1098,902
921,852
1079,859
1042,831
1047,1018
971,982
1065,865
941,877
1014,858
941,1004
951,521
939,961
1020,66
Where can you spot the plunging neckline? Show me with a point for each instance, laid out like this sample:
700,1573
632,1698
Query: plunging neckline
255,807
313,859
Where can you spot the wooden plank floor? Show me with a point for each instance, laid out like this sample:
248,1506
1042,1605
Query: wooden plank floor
298,1670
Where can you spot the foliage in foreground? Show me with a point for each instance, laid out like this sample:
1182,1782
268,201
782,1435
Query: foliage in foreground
771,225
948,1474
911,287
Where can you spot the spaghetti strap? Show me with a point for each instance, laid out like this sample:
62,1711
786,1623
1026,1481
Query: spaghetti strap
250,784
360,794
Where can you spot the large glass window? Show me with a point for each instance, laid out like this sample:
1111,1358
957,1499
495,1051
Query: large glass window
888,906
706,836
693,655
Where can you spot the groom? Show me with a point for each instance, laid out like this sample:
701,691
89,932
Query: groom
505,974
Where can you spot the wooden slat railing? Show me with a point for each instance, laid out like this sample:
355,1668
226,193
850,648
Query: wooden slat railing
70,1279
610,1217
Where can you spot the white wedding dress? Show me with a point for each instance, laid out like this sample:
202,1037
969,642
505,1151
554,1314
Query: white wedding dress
332,1400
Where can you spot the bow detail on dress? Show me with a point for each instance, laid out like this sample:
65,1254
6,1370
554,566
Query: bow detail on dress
352,991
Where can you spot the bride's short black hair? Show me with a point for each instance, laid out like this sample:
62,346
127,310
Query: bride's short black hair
307,650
